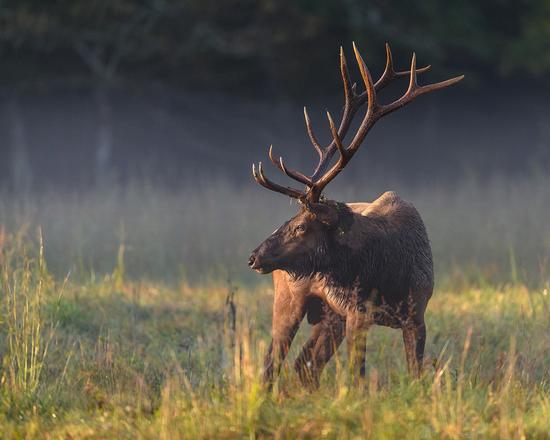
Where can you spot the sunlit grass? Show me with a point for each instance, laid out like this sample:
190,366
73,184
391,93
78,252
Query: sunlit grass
24,282
108,357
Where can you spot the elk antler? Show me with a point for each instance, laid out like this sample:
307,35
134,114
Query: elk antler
352,102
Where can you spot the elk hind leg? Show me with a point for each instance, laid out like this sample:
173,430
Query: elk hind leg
414,338
326,337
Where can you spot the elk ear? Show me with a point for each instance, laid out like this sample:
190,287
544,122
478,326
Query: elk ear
326,214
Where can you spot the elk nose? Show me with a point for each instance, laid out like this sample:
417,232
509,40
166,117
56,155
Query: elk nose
252,260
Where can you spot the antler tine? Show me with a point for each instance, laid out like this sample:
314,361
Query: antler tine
296,175
349,88
413,81
390,73
414,90
311,135
336,136
260,178
367,80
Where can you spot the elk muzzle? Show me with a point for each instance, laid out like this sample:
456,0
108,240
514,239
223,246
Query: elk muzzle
256,263
264,258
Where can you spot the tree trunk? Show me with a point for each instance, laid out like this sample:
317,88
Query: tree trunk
21,170
105,133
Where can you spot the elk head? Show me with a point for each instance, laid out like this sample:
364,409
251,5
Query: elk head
302,244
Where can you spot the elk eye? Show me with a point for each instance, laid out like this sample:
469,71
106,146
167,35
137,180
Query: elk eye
300,228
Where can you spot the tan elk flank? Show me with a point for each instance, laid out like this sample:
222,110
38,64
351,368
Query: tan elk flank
347,265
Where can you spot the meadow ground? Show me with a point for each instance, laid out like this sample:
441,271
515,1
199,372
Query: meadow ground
120,353
107,358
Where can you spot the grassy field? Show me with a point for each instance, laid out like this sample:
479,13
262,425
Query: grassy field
110,358
94,344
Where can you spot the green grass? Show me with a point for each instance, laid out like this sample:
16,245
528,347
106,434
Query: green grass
107,357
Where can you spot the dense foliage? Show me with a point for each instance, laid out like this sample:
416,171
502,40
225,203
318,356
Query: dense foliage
266,43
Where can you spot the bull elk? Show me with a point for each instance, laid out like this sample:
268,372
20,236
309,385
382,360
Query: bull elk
347,266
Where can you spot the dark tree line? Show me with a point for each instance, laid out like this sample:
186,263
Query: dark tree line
282,48
283,45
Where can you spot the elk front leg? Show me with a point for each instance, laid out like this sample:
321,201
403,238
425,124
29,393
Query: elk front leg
326,337
414,338
288,313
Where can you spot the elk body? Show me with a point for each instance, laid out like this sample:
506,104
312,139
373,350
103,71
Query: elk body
347,266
